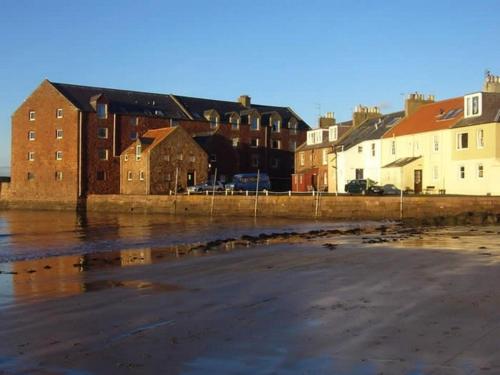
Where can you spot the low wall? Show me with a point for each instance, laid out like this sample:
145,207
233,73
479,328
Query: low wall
420,208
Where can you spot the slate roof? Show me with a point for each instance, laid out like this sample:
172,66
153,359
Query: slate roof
490,111
370,129
122,101
429,117
196,107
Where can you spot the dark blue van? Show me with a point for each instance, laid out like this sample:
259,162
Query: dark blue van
248,181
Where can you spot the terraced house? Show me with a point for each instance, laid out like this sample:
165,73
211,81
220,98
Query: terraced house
67,139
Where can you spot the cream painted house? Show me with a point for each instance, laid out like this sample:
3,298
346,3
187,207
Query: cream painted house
416,152
475,146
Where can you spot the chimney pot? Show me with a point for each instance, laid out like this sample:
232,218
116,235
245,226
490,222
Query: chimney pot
245,101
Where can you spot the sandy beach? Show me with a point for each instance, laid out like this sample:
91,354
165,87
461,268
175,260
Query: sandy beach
384,302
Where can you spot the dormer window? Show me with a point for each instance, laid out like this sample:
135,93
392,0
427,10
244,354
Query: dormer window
276,126
254,123
332,133
235,122
292,125
473,105
102,110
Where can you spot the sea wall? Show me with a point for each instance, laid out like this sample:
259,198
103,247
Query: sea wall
423,208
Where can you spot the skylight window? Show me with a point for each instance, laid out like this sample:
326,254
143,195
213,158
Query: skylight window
451,114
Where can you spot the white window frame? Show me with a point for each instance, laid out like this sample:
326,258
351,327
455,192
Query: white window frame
141,175
278,144
59,113
469,105
138,151
125,158
59,155
276,126
235,123
106,154
460,145
333,133
32,115
104,113
31,155
59,133
102,136
293,126
480,170
302,158
31,135
480,138
461,172
256,142
236,142
130,175
58,176
257,123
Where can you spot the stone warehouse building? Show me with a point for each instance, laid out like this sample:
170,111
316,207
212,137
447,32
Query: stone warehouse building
160,159
67,139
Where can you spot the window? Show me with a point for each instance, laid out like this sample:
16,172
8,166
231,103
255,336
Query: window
480,138
276,126
359,173
235,123
192,158
166,157
254,142
393,147
435,172
360,149
461,172
31,156
325,178
276,144
101,176
102,133
141,175
59,134
292,124
138,151
59,113
435,146
133,135
236,142
32,116
373,149
214,122
31,135
255,160
275,163
103,154
102,110
180,156
480,171
59,155
292,145
473,104
325,156
125,157
129,175
58,176
332,133
30,176
254,123
302,159
462,141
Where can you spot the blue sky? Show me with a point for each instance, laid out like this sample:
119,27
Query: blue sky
311,55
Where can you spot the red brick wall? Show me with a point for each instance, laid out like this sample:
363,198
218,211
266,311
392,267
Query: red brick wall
45,100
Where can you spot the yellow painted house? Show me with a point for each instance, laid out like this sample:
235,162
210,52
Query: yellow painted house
475,152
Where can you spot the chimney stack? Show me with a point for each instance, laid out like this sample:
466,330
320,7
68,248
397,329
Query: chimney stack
362,113
327,120
244,101
491,83
415,100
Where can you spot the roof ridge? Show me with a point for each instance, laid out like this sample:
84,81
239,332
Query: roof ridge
107,88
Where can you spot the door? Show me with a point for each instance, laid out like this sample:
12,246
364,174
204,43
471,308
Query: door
190,178
417,181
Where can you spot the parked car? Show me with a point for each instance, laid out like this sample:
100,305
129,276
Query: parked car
207,186
361,187
375,190
248,181
390,189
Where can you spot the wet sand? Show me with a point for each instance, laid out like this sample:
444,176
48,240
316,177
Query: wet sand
384,302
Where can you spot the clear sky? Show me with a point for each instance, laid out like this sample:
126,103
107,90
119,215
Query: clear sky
310,55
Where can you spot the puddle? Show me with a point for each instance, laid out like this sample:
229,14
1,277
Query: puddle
98,285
